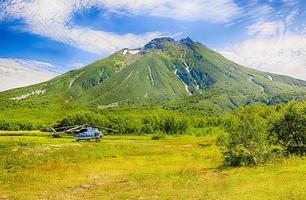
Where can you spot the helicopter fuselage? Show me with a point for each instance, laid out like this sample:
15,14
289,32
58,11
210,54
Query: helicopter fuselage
89,133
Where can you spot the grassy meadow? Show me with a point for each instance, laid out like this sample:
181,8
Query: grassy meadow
34,165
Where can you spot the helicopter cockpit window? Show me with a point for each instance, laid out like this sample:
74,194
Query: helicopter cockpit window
83,130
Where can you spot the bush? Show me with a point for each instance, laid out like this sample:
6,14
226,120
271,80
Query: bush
158,136
289,130
247,140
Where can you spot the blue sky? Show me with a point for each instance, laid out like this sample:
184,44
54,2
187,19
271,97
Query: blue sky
269,35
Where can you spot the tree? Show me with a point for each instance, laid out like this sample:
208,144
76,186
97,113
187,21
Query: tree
247,140
290,129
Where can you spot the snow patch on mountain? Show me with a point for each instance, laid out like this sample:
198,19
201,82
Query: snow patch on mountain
251,79
130,51
150,75
130,74
74,79
186,86
25,96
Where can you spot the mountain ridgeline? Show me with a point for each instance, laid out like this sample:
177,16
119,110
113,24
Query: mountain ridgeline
181,75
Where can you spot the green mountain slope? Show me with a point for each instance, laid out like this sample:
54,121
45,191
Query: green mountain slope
183,75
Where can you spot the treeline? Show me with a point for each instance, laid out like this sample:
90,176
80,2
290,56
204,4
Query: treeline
258,134
126,121
130,124
9,125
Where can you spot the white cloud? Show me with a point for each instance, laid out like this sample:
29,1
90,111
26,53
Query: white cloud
52,19
266,28
76,65
277,46
254,11
187,10
283,55
290,2
18,72
291,17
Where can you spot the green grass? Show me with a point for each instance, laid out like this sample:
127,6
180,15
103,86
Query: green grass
136,167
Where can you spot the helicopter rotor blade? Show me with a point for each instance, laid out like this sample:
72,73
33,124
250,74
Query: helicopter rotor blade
53,130
106,128
63,127
67,129
74,128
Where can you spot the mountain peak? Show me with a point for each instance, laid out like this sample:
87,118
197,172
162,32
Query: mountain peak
187,41
158,43
162,39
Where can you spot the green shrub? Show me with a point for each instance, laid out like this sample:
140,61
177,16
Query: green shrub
247,140
289,130
158,136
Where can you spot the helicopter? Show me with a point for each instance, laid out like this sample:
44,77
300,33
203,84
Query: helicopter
82,132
